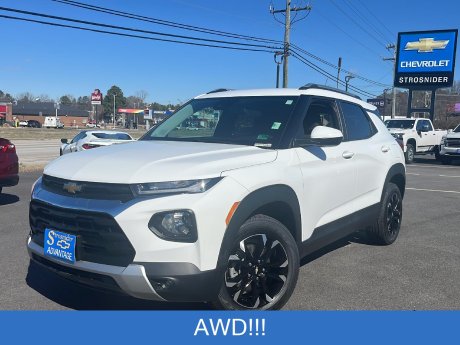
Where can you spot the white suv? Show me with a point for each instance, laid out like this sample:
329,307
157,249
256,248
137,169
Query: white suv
222,213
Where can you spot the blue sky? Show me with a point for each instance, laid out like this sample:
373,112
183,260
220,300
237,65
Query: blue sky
58,61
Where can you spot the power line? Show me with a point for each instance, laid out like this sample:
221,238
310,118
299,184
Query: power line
376,18
347,34
29,20
357,24
164,22
205,30
366,20
329,75
132,29
336,67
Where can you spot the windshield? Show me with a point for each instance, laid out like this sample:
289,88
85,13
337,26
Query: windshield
457,129
401,124
254,121
114,136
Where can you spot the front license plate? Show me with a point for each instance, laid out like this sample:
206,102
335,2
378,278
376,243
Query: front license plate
60,245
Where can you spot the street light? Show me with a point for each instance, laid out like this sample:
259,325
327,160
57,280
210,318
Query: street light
347,80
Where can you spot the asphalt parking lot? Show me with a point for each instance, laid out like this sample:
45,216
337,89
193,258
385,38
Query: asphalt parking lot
420,271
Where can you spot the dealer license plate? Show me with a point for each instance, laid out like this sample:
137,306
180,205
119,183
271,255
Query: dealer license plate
60,245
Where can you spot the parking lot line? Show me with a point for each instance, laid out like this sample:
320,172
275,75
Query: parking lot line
434,190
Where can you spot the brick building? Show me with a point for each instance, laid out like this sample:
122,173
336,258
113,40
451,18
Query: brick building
70,116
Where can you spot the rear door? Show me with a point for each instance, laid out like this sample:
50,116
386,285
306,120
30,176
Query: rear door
371,152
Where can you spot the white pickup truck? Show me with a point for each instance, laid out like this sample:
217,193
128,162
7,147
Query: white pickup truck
450,146
418,136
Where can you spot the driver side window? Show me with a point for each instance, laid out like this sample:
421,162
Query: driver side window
320,113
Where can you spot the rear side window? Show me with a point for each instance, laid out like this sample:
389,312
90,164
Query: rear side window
358,125
115,136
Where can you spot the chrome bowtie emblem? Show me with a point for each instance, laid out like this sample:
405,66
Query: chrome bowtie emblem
72,187
426,45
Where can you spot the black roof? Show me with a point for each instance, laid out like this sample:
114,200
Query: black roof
47,109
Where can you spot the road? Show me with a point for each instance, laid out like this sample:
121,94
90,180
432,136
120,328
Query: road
420,271
37,152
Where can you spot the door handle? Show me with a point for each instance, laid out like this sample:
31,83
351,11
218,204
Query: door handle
385,149
348,154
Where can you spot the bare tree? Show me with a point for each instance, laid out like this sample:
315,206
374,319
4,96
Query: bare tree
142,95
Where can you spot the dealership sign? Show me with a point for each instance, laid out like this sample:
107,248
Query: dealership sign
96,97
425,59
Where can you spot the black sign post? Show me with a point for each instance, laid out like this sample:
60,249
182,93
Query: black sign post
425,60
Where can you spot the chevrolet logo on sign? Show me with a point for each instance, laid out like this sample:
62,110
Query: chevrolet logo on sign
72,187
426,45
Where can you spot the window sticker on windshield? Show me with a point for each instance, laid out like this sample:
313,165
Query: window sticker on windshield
263,137
262,145
276,125
289,102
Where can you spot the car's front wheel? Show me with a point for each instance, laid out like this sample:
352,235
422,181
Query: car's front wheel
262,266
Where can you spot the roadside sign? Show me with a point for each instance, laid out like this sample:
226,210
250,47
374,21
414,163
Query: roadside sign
378,102
96,97
425,59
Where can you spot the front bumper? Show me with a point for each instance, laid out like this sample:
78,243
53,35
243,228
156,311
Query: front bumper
448,151
161,281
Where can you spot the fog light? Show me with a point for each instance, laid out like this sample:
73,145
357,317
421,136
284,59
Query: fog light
178,226
161,284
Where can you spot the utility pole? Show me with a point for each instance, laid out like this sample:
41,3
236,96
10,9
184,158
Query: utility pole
287,32
114,97
338,71
393,107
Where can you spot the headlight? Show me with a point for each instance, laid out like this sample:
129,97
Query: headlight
174,187
178,226
443,141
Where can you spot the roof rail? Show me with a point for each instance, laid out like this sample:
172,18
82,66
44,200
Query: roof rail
218,90
327,88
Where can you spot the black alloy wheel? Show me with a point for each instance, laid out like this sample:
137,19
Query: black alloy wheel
257,271
394,214
386,228
262,266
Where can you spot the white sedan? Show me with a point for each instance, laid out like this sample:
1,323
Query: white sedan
86,140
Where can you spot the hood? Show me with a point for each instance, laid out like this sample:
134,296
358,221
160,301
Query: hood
452,135
156,161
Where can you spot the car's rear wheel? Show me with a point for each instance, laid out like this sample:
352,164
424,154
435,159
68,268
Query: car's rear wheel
410,153
262,267
386,228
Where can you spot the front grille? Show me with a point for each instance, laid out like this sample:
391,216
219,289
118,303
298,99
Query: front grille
88,190
99,237
452,142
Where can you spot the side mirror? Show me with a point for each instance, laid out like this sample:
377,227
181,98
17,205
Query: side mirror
64,141
322,136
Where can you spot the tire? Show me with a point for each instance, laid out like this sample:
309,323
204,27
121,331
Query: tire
437,155
264,274
446,160
410,152
386,228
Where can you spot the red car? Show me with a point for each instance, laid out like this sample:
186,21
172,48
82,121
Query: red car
8,164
